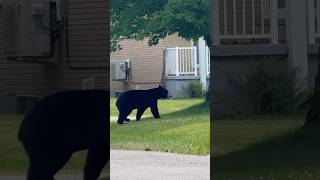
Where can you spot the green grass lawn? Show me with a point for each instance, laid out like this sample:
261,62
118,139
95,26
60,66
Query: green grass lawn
184,127
265,148
271,147
13,160
181,129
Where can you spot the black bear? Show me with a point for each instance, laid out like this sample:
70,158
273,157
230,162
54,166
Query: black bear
141,100
62,124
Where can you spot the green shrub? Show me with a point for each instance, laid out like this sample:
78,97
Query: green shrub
194,89
272,87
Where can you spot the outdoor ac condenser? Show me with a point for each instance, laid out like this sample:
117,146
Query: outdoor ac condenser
27,27
120,70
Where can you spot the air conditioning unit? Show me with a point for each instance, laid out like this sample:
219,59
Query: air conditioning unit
28,27
120,70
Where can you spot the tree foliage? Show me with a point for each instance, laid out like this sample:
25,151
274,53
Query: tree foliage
157,19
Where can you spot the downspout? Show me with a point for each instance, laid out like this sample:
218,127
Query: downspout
163,76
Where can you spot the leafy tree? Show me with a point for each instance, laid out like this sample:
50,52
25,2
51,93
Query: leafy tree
157,19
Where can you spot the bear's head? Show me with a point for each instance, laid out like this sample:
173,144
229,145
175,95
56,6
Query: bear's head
162,92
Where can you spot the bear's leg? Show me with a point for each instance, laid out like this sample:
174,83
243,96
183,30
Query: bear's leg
45,165
96,160
123,116
155,112
139,113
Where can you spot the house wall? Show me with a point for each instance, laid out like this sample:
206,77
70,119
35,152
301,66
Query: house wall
229,57
146,62
89,47
313,60
229,73
177,86
227,96
88,44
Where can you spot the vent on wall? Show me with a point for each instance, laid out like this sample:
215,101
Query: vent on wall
120,70
88,84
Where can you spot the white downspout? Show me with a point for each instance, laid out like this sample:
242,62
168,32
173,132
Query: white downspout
202,63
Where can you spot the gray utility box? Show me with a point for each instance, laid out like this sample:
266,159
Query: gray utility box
120,70
27,27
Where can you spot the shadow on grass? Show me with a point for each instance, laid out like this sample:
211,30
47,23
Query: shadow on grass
262,117
192,111
295,155
195,110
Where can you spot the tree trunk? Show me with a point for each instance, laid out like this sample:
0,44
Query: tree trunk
313,115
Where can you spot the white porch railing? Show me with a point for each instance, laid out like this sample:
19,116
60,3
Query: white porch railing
256,19
236,19
183,61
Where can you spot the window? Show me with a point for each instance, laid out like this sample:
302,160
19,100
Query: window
281,4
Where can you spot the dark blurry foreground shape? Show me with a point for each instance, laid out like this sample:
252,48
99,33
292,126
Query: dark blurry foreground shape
62,124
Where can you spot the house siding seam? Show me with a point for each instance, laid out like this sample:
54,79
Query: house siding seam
146,62
88,45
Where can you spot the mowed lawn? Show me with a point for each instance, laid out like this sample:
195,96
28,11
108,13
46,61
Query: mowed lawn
270,147
13,160
187,127
184,127
265,148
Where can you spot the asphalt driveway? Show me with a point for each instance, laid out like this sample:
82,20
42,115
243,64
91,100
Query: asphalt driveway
146,165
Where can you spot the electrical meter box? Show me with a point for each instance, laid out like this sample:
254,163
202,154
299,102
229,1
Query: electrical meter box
27,27
120,70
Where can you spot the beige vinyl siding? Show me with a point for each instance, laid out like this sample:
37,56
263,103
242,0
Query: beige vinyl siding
146,62
88,46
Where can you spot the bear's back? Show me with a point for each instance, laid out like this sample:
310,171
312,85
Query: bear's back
136,98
